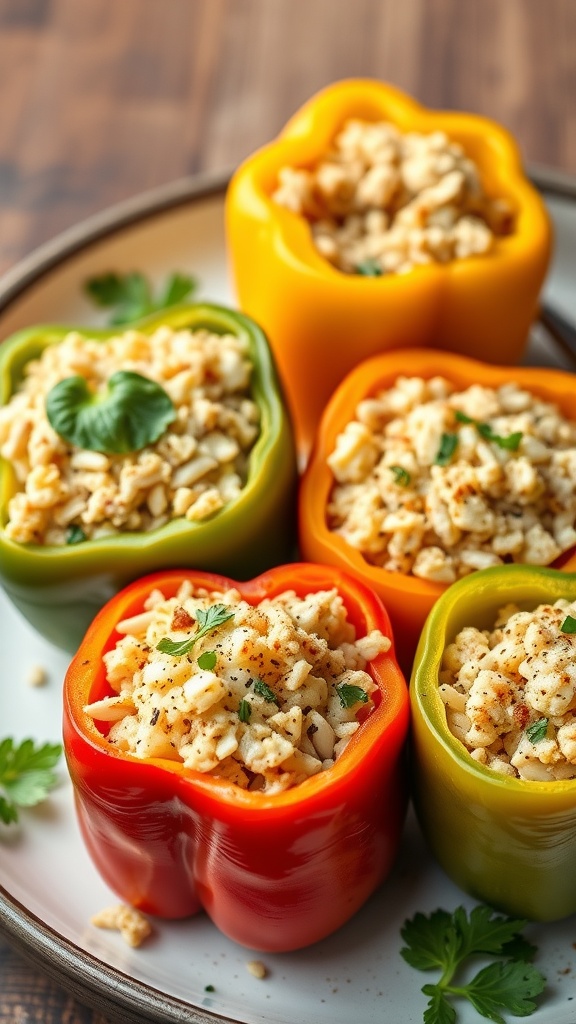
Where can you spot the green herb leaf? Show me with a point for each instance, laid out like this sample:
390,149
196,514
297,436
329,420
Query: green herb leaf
25,775
209,988
75,535
537,731
350,695
511,441
444,942
569,625
369,268
263,690
133,412
207,660
130,295
448,445
244,710
401,475
505,986
208,619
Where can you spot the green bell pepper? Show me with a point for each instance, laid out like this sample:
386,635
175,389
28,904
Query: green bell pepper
60,589
507,841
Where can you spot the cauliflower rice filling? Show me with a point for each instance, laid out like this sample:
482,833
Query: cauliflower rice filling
384,202
197,466
438,482
265,700
510,693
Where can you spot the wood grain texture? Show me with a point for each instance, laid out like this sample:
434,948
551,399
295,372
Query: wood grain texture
103,99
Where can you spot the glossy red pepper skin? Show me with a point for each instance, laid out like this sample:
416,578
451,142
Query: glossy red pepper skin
274,873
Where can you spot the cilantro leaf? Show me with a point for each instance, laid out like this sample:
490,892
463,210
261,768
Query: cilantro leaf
448,445
26,775
401,476
511,441
350,695
569,625
444,942
369,268
75,535
244,710
427,940
130,295
133,411
537,731
208,619
507,986
439,1010
263,690
207,660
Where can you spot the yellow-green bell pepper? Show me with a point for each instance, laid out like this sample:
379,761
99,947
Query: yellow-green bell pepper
507,841
59,589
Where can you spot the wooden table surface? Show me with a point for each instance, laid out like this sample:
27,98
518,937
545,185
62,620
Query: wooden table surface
102,99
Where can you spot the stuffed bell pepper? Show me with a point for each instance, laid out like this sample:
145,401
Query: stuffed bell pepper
494,720
429,466
373,223
164,444
238,748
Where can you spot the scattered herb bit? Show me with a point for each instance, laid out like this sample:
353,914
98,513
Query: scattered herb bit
443,941
537,731
511,442
207,660
448,445
75,535
207,620
244,710
209,988
569,625
133,412
263,690
369,268
130,295
25,775
401,475
350,695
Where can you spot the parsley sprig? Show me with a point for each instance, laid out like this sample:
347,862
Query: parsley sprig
130,296
349,695
26,775
569,625
444,941
208,619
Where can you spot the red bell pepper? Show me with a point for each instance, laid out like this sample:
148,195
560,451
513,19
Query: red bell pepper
274,872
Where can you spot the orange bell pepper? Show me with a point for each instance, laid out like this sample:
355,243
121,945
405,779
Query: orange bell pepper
407,598
274,872
322,322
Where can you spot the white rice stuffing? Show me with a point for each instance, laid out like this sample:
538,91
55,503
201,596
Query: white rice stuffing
510,692
277,700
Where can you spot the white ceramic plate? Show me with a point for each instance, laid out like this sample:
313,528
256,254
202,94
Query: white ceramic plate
49,889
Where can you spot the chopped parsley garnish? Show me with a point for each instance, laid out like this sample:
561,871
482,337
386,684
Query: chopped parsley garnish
130,295
75,535
510,442
448,445
207,620
132,412
263,690
244,710
350,695
401,475
569,625
207,660
537,731
445,942
26,775
369,268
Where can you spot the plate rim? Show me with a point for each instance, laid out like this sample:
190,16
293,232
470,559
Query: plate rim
94,983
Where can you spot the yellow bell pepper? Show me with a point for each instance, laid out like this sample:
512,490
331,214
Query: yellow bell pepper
505,840
320,321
